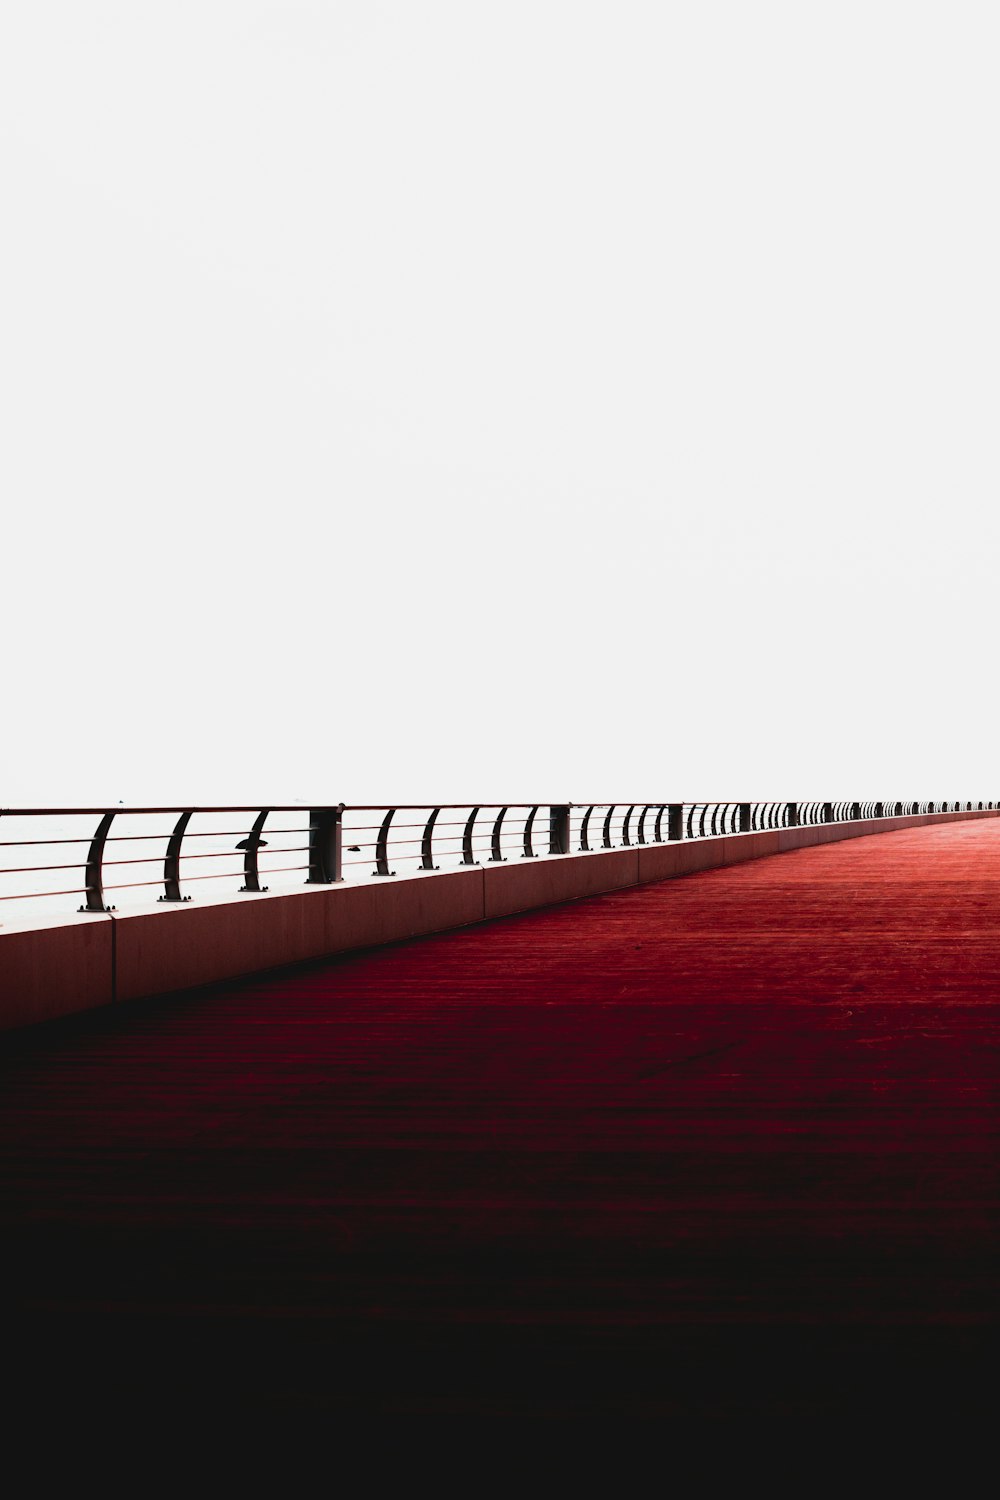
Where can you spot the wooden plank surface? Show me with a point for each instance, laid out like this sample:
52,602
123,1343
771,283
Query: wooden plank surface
721,1147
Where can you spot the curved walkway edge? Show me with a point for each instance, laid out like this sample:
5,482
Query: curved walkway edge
78,963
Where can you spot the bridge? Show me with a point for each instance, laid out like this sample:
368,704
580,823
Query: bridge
713,1147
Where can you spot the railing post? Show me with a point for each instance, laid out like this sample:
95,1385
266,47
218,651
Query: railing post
793,815
251,846
880,809
744,818
172,861
326,833
93,880
427,842
827,812
855,812
496,852
382,846
468,858
675,820
559,828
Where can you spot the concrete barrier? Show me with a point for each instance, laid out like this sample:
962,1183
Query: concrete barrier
509,888
179,947
741,846
53,969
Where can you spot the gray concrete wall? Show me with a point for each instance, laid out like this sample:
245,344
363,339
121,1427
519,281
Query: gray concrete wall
79,963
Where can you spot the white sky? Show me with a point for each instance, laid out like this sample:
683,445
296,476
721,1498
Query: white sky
445,401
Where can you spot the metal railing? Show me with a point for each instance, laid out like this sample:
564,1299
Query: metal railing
337,843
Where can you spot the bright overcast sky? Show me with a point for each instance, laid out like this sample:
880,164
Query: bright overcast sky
445,401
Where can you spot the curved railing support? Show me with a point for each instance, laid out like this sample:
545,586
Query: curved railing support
382,846
93,880
496,853
172,861
606,840
529,823
427,843
251,847
584,826
467,854
626,841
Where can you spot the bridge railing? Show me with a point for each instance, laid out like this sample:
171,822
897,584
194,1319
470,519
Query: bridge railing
98,856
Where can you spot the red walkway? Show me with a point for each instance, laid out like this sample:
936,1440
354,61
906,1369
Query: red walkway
724,1145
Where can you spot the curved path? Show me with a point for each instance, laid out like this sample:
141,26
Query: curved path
723,1146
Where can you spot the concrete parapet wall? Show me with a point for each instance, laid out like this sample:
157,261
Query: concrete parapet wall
509,888
178,947
741,846
54,969
80,963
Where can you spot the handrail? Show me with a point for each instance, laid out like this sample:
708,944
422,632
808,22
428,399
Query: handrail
487,832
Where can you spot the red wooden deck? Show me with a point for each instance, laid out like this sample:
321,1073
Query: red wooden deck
727,1145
